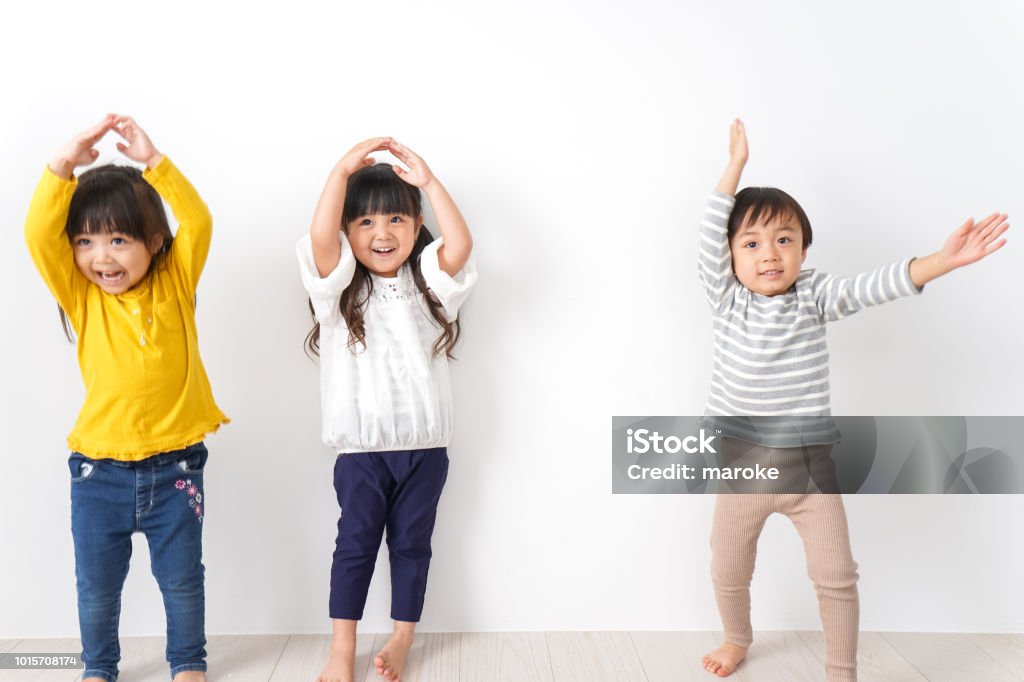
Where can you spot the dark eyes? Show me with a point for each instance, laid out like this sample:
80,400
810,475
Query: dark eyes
116,241
782,240
366,222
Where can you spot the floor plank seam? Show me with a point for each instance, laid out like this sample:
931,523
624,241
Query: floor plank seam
279,656
551,662
897,650
636,653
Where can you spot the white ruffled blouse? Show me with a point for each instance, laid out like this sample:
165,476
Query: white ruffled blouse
393,394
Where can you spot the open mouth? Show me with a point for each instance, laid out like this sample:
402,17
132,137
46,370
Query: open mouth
384,251
771,273
113,277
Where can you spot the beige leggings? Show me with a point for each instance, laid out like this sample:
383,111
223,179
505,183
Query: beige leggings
821,521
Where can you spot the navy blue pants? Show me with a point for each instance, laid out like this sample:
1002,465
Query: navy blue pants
397,491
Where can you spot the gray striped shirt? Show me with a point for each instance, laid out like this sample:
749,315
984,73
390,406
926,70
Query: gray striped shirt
770,372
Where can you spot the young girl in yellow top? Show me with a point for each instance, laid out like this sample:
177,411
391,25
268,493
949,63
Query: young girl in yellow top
126,287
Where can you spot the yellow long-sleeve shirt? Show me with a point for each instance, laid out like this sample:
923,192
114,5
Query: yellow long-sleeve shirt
146,391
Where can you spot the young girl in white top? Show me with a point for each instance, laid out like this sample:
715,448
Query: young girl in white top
385,299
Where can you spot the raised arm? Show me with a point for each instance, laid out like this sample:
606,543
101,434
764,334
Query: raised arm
738,155
714,260
458,242
327,218
191,243
47,217
969,244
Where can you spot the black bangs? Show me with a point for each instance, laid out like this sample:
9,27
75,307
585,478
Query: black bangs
765,204
116,199
377,189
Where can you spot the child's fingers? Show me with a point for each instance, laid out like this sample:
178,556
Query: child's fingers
993,225
97,131
992,249
403,152
374,144
398,150
995,234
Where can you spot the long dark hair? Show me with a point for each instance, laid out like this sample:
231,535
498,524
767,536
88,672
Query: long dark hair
373,190
112,199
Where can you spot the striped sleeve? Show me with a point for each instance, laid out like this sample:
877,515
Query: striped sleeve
714,261
838,297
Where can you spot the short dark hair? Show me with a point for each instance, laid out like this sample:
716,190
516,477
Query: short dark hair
767,203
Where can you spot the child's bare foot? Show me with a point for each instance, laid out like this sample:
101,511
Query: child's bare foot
190,676
341,663
93,679
341,666
723,660
390,662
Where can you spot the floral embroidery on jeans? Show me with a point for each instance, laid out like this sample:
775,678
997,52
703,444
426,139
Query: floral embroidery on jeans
195,498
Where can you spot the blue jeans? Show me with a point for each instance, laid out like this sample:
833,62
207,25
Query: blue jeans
161,496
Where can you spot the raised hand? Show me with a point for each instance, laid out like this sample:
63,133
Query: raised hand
973,241
359,156
419,173
738,154
969,244
79,150
139,148
738,150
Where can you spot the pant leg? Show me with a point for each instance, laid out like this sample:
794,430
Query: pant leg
102,522
821,521
737,525
363,484
172,506
420,476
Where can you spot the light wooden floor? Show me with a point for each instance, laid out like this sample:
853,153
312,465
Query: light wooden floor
566,657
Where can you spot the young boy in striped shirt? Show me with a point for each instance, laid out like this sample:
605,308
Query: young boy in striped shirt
770,388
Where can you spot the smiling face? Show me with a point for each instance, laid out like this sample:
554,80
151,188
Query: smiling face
116,225
767,254
382,242
114,261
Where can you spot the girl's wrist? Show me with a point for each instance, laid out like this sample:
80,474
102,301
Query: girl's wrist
62,168
153,161
432,186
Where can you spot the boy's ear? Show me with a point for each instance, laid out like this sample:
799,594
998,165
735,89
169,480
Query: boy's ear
156,246
803,256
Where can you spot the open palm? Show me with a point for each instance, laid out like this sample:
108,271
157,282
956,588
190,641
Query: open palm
973,241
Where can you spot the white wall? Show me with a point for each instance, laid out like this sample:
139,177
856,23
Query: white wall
580,140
